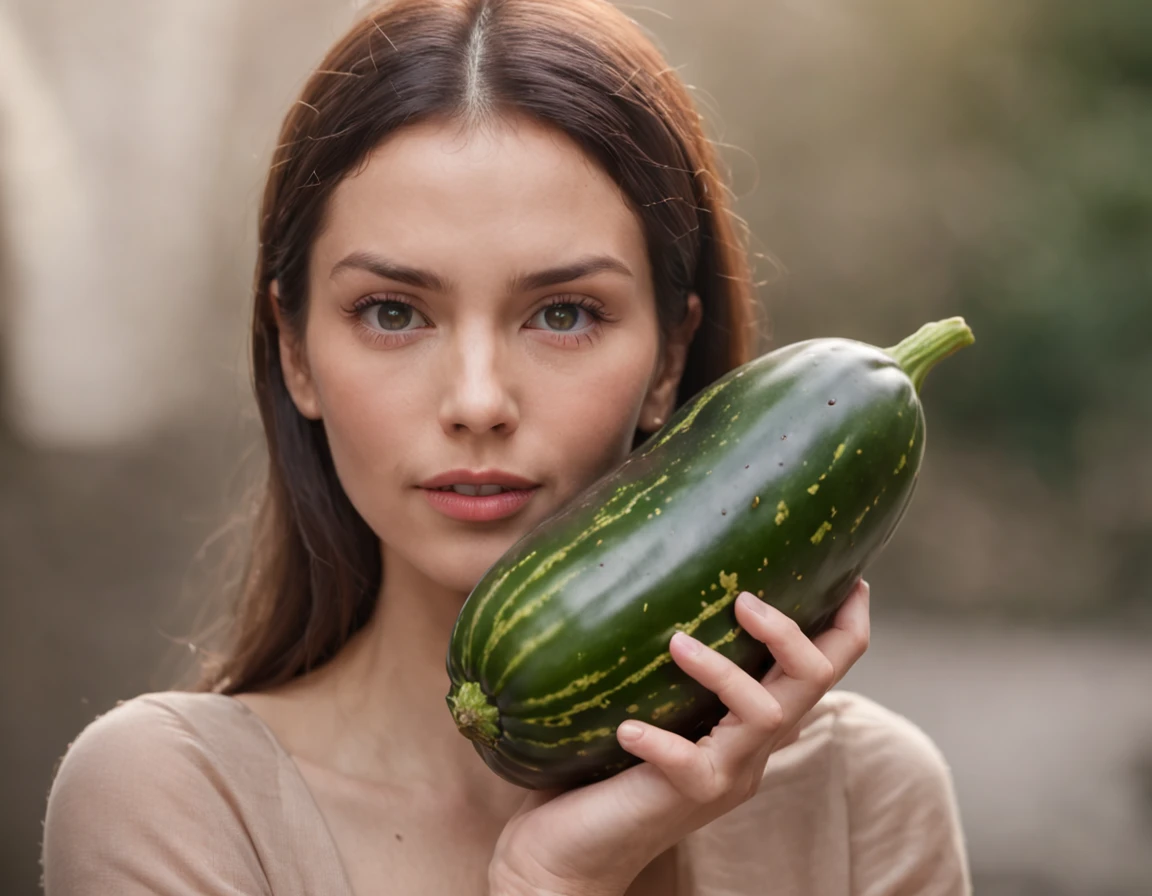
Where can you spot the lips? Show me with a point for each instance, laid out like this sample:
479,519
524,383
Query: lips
479,477
478,508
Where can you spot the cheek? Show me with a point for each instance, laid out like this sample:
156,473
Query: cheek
591,418
367,418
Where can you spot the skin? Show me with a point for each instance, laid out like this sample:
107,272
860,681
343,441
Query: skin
479,376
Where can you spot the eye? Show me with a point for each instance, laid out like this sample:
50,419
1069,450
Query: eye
393,320
390,316
563,315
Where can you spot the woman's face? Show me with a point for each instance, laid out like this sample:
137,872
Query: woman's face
465,364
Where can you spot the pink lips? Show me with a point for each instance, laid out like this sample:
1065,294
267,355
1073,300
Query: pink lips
478,508
478,477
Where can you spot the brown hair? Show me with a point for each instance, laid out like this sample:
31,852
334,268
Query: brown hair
581,66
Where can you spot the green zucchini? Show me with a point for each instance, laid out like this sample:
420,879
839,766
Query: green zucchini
785,477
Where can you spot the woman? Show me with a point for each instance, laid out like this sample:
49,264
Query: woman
494,250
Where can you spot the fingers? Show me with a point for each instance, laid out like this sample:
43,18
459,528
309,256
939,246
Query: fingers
705,771
737,690
795,655
803,672
798,680
847,636
687,767
760,712
845,641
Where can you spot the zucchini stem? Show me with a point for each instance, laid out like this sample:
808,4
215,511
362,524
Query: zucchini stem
476,716
928,346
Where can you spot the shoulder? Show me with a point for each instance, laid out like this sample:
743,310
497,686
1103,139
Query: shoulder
157,715
157,736
147,790
874,740
145,729
904,824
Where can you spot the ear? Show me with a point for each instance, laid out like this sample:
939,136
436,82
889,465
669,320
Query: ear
294,362
660,401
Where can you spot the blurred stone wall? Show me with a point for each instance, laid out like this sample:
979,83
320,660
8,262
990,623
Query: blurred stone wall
135,138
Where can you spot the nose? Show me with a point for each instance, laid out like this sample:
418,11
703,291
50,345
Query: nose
479,395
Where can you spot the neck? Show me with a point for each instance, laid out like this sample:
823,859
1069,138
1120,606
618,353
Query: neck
383,698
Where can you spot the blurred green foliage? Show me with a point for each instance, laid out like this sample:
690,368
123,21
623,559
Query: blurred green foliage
1060,284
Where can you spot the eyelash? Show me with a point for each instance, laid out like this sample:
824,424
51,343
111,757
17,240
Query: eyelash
377,337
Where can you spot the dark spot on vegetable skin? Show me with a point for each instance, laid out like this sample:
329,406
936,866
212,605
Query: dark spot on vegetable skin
601,564
783,437
398,837
723,513
831,401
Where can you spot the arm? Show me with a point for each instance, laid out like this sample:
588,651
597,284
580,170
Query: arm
904,825
135,809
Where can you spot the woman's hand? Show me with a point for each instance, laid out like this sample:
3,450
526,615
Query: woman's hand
594,840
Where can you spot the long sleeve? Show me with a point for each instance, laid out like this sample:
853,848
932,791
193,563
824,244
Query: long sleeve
137,807
905,837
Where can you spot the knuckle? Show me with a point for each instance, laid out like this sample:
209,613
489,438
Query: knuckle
696,765
775,714
770,714
823,672
703,784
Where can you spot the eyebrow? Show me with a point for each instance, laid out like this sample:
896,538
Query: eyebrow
383,267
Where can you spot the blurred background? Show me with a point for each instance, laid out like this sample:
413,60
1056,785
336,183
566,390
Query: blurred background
896,161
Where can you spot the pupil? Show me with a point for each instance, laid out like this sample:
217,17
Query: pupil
393,316
562,312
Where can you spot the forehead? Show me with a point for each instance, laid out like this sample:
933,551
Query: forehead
516,192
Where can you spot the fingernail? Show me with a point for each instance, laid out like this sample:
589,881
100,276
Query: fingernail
753,603
629,731
688,642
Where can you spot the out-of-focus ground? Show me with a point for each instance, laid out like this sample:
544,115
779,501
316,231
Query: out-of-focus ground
1049,735
895,161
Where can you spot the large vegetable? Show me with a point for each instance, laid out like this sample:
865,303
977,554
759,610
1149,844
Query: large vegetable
785,478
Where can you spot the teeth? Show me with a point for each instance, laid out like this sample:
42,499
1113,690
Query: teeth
474,490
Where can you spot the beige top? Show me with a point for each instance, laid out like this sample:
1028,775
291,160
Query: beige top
183,794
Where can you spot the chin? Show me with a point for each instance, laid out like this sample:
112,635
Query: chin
460,574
